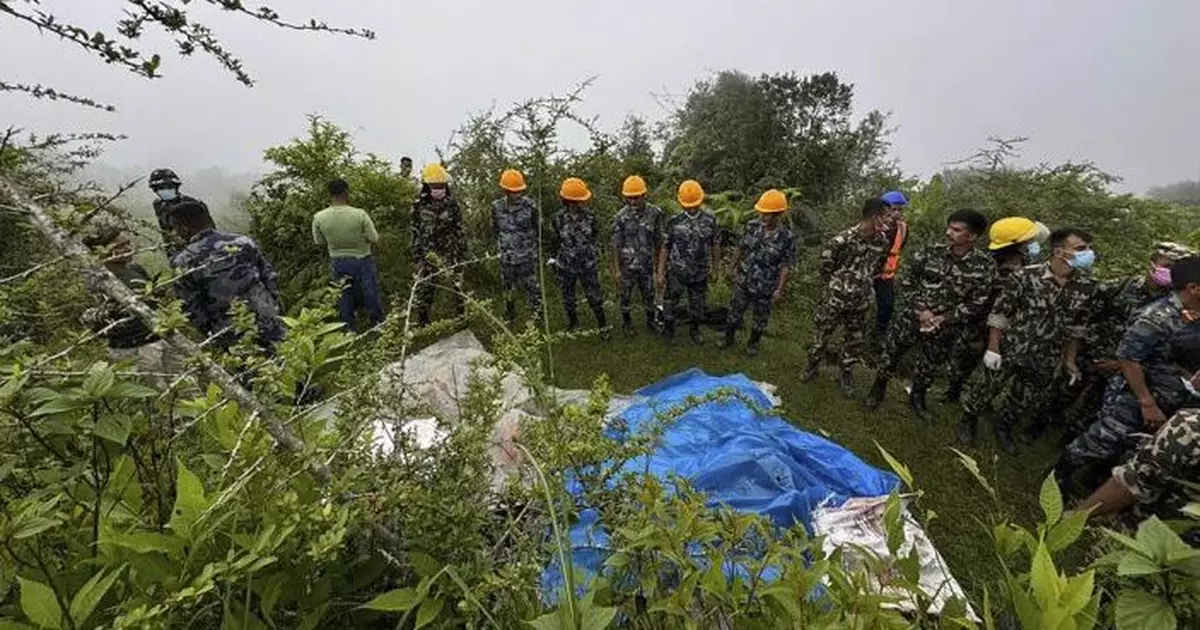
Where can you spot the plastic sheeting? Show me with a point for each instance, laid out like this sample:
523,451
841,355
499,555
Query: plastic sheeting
736,454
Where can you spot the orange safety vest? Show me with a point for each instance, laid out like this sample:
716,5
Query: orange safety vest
893,260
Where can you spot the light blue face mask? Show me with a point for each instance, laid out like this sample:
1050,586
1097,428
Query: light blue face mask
167,194
1083,260
1034,249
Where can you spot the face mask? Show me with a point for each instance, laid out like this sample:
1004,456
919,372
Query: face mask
1034,249
167,194
1161,276
1083,259
437,193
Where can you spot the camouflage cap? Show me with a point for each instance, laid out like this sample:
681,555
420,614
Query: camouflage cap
1173,251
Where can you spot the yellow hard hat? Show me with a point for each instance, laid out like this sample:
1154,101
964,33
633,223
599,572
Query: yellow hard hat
512,180
574,189
691,194
434,174
633,186
1011,231
772,202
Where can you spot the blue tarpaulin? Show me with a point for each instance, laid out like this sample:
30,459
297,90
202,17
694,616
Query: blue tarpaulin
737,456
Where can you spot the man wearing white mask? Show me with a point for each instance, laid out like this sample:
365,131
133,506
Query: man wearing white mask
165,184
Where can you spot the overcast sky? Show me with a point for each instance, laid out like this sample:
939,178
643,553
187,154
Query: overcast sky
1113,81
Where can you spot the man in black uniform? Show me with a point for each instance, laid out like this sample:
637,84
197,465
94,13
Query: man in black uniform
165,184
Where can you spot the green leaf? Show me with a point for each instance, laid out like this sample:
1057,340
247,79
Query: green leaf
901,470
1066,532
99,381
972,467
59,404
114,428
1043,579
147,542
1136,610
430,608
32,526
548,621
597,617
6,624
399,600
1078,592
1051,500
12,386
1159,539
893,523
91,593
423,564
189,502
1137,564
1127,541
39,604
1191,509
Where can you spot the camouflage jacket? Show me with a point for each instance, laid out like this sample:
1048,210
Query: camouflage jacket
218,268
1038,315
517,230
162,211
690,239
849,264
637,235
763,255
1165,339
958,288
1117,302
437,228
576,233
1152,475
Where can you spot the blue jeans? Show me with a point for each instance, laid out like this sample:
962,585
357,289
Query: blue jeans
362,288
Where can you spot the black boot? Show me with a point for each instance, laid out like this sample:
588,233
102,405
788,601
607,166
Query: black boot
627,325
510,311
696,335
651,322
953,394
966,429
572,321
727,340
811,368
846,382
669,332
875,396
602,324
423,317
916,402
752,345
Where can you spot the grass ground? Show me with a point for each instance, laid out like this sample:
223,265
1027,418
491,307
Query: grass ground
820,406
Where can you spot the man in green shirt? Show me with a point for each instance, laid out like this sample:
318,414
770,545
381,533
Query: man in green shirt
348,234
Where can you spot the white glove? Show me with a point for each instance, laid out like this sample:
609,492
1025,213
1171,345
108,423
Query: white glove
552,262
991,360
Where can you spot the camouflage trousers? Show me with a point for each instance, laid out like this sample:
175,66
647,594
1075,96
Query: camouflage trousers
1110,436
521,277
1077,405
697,294
933,349
644,281
590,280
428,286
1021,388
829,316
967,354
759,305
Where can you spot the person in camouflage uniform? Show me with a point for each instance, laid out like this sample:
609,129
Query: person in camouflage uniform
946,286
516,221
1014,242
575,232
691,252
636,238
1035,328
1152,479
165,184
439,242
1117,301
848,267
765,258
217,269
1159,355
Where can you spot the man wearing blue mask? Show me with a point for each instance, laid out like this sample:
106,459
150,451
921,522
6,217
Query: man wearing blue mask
1159,356
1034,331
165,184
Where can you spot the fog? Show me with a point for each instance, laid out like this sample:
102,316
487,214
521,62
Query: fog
1106,80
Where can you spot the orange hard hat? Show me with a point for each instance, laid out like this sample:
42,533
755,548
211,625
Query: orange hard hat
691,194
634,186
574,189
772,202
512,180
